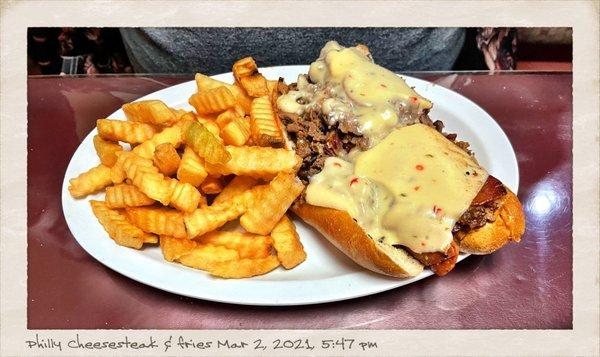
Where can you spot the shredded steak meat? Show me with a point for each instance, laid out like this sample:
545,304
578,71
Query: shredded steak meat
315,140
483,206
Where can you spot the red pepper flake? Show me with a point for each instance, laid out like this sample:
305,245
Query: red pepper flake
353,181
437,210
337,164
414,99
419,167
417,188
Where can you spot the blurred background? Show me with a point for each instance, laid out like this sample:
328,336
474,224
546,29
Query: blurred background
91,51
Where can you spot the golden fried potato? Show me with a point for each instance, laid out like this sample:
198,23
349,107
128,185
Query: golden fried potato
118,227
172,248
126,131
150,239
172,135
212,185
150,111
243,268
264,124
255,85
193,254
106,150
212,101
258,162
262,215
185,197
91,181
166,159
146,177
237,132
205,83
244,67
158,220
249,246
117,173
229,115
209,218
211,126
204,257
205,144
191,169
286,241
124,195
236,187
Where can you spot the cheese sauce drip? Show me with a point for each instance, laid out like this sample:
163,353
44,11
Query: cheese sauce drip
346,85
413,200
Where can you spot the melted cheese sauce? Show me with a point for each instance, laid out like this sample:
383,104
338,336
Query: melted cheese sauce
413,200
347,85
413,184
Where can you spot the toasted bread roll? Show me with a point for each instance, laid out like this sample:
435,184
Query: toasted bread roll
344,233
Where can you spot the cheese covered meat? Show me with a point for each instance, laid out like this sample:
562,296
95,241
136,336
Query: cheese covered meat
369,149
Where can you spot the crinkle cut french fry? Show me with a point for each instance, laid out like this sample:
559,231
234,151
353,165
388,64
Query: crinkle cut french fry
237,186
229,115
205,83
150,239
172,248
237,132
249,246
191,169
172,135
255,85
166,159
185,197
209,218
212,101
205,256
117,173
129,132
264,124
263,214
212,185
158,220
212,126
244,67
106,150
286,241
124,195
117,226
150,111
255,161
146,177
193,254
90,181
243,268
205,144
179,113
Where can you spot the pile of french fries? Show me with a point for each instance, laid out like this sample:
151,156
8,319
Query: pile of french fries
184,175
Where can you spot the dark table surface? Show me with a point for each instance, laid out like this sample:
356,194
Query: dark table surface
522,286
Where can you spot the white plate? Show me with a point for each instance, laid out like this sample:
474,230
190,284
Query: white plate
327,275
